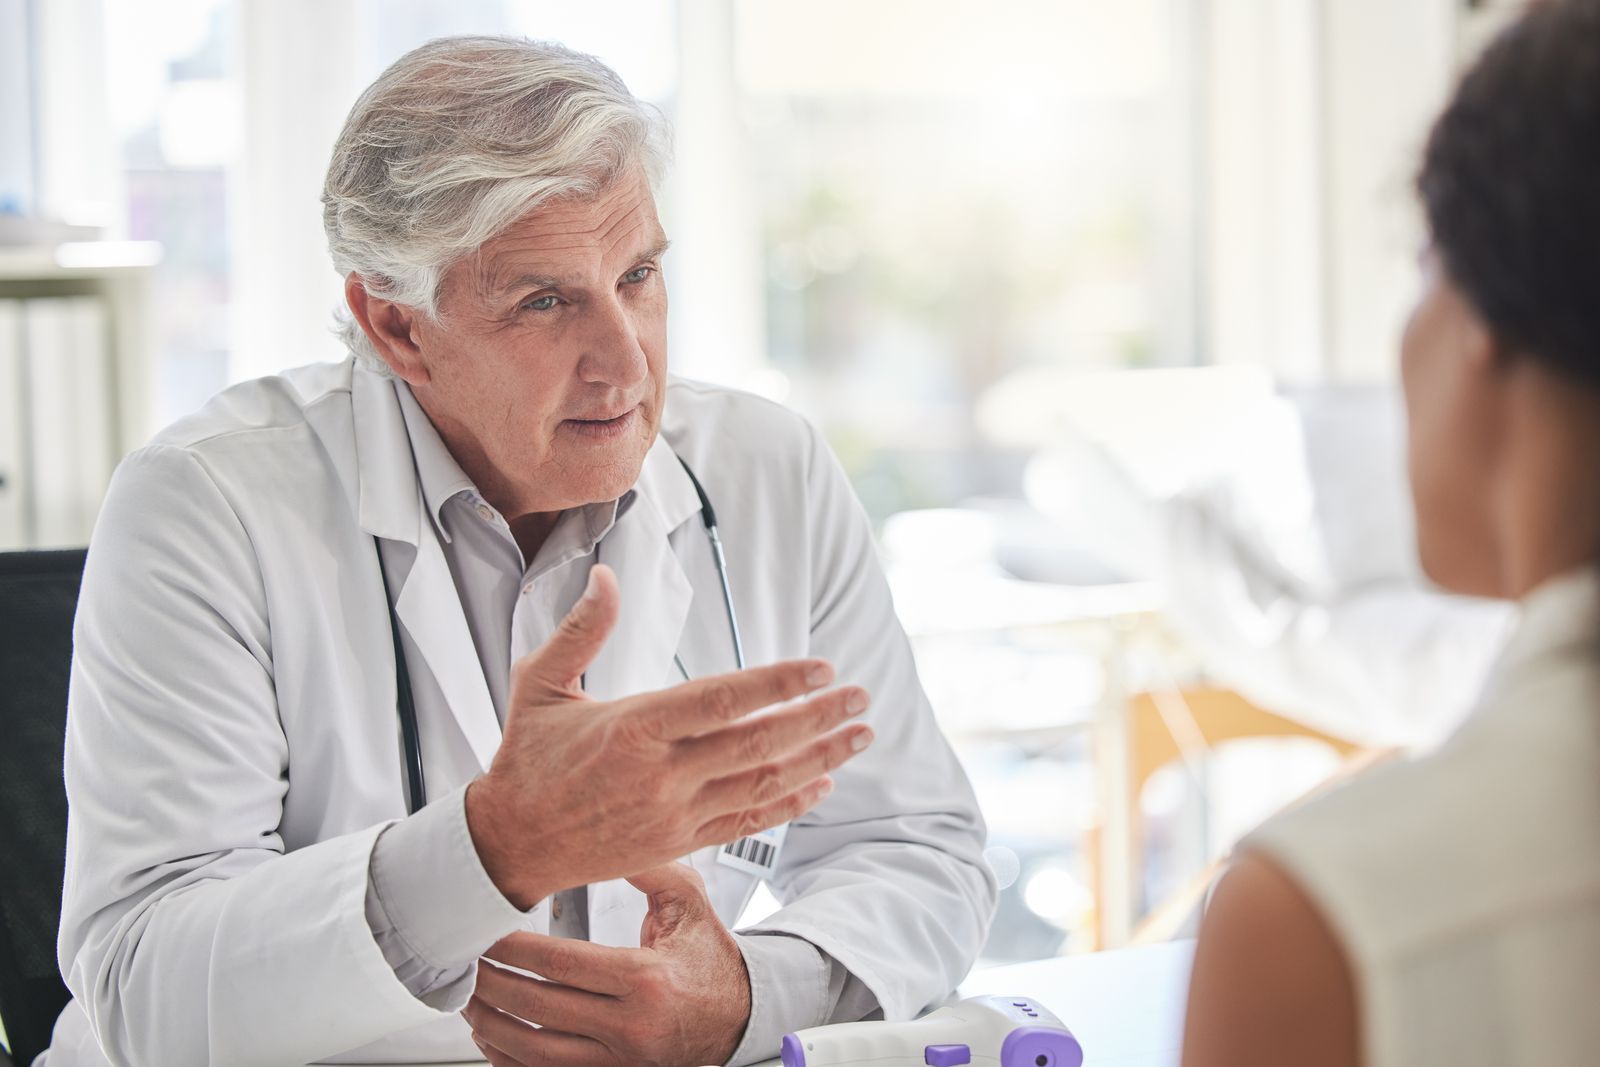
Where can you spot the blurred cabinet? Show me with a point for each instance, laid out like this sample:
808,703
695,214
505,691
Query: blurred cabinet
75,382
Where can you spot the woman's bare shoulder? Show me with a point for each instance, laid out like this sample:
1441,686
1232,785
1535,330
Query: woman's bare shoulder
1271,983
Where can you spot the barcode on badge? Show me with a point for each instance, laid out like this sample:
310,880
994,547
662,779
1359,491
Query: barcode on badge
756,854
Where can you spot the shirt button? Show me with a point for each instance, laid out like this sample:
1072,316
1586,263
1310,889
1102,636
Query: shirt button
485,512
555,908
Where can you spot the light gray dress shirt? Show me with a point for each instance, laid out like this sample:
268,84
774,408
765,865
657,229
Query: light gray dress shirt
431,905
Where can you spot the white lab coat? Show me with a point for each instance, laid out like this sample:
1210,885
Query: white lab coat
232,744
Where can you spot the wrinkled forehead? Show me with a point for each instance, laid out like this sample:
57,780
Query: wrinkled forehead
571,240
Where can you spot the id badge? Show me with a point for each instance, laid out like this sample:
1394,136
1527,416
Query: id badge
756,854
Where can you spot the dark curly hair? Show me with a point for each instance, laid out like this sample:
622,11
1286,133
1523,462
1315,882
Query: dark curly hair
1510,182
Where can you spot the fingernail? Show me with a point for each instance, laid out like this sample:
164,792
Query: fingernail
819,675
857,703
861,740
590,587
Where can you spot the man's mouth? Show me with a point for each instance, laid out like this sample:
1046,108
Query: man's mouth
603,426
603,418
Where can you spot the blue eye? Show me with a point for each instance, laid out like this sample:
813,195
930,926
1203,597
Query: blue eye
637,275
543,303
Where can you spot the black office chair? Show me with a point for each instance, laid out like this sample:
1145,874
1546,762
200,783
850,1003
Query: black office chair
38,596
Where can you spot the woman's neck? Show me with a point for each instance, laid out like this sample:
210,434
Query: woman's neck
1547,496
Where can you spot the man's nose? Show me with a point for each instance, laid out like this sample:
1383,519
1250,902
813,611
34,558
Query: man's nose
613,354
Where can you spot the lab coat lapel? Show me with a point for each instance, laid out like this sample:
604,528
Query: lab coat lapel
656,593
428,605
430,610
656,597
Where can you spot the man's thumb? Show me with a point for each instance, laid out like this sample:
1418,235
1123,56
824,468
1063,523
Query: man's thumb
676,892
669,880
561,661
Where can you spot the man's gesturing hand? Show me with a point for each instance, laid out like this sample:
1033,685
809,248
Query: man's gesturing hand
682,998
583,791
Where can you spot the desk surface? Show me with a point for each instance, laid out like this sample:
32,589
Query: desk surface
1125,1007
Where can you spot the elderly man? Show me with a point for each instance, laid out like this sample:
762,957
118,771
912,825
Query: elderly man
403,685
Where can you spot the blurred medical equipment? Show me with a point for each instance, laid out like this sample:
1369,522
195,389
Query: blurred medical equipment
1278,525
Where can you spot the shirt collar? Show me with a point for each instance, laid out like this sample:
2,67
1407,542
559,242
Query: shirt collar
438,474
1560,616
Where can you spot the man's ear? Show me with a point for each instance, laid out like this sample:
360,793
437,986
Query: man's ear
390,327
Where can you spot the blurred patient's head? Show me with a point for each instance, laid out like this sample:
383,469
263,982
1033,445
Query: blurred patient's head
1501,358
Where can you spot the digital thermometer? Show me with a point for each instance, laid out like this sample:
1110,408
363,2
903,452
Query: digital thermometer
984,1031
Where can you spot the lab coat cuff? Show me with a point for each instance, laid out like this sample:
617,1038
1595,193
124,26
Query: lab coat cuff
431,883
788,992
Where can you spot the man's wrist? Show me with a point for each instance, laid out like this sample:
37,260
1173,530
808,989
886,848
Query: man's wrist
486,823
739,979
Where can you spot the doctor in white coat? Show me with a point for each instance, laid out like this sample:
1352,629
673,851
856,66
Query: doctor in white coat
501,484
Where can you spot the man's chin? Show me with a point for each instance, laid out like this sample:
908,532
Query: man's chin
602,481
588,471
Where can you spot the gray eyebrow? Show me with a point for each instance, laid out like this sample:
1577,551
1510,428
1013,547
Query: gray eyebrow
555,281
530,281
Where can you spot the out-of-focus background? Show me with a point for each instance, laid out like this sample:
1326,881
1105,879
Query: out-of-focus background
1097,302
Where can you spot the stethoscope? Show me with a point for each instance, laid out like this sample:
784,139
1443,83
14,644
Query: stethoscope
416,792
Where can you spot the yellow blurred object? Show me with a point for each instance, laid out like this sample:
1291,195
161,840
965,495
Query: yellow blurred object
1185,724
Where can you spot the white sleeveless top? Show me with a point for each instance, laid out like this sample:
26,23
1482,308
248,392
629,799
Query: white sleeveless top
1465,886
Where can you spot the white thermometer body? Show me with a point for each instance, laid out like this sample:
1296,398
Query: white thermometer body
984,1031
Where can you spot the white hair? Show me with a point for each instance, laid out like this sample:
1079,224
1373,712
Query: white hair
459,139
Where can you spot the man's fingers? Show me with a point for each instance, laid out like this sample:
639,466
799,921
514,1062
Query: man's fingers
579,964
749,744
508,1041
570,1050
547,1004
777,779
496,1033
493,1056
753,820
707,703
561,661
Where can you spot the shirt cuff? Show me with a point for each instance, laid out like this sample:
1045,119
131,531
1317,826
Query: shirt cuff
789,990
432,907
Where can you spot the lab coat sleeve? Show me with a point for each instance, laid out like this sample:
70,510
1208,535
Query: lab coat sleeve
789,990
188,933
432,907
887,875
793,986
